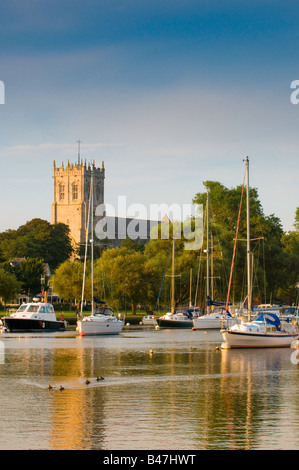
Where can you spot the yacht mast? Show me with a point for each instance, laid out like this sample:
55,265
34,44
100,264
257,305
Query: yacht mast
208,272
172,277
248,241
91,240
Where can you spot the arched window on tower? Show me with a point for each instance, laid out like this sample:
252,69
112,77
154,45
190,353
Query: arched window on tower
75,191
61,191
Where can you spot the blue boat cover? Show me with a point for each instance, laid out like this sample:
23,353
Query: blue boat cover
270,318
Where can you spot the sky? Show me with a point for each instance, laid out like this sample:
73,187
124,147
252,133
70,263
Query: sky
168,93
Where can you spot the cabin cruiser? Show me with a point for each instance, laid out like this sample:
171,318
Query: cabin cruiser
149,320
35,316
180,319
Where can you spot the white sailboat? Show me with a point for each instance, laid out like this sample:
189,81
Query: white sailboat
102,320
265,330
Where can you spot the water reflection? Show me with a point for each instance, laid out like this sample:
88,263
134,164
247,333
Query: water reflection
183,395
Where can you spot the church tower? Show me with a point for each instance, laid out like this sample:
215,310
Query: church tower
71,186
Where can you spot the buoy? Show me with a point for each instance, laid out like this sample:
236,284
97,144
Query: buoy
157,327
194,328
127,324
82,333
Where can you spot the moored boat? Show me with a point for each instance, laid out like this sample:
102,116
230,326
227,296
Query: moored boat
264,331
102,321
175,320
217,319
34,316
149,320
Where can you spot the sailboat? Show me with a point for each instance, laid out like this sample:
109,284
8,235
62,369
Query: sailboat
265,330
220,314
173,319
102,320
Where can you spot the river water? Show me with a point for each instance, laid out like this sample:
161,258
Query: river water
162,389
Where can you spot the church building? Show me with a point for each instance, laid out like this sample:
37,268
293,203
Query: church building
71,188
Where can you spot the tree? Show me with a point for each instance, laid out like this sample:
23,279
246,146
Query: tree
129,276
68,280
37,239
29,273
289,287
265,230
158,253
9,286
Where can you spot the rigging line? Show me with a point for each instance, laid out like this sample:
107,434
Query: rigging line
85,254
199,263
235,246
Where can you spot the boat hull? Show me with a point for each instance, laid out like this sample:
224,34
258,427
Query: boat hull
163,322
88,328
239,340
202,323
23,324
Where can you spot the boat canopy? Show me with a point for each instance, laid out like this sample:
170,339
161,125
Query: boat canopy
270,318
217,304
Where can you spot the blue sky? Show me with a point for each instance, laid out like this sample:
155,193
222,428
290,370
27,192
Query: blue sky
169,93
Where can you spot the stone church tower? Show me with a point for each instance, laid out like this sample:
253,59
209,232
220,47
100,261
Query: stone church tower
71,187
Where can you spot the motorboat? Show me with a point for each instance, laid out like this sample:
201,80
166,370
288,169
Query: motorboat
34,316
267,308
149,320
175,320
217,319
289,314
101,322
264,331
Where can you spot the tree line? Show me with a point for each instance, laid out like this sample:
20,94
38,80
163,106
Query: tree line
139,274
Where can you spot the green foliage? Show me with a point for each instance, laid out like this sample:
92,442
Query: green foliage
133,273
37,239
128,274
265,232
289,283
9,286
29,273
68,279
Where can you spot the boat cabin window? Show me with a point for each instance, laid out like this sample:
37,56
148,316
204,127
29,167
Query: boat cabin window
22,308
103,311
33,308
